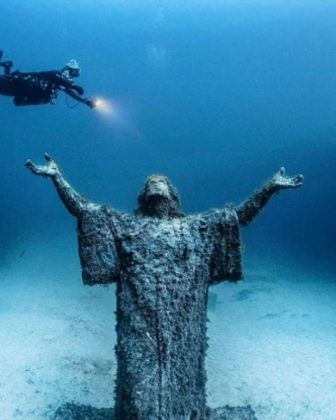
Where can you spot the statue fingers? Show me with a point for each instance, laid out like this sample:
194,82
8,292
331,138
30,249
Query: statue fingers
298,180
36,169
51,164
48,158
282,171
30,165
279,175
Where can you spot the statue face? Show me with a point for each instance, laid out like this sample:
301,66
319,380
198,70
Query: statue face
158,198
157,185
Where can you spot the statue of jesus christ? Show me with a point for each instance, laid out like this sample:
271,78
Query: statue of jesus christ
163,263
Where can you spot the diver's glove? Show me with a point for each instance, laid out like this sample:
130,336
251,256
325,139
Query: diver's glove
90,102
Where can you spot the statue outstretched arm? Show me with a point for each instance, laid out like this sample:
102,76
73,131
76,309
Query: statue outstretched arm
73,201
249,209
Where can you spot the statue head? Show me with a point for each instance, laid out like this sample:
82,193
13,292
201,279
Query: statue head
158,197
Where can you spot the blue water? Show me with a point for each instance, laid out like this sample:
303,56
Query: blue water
217,95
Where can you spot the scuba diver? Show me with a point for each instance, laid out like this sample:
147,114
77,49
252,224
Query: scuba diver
35,88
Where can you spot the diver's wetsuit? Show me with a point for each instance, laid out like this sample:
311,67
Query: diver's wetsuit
38,87
34,88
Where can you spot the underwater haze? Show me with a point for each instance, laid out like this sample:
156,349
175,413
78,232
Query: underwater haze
216,95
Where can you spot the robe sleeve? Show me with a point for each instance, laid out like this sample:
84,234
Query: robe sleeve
224,244
97,246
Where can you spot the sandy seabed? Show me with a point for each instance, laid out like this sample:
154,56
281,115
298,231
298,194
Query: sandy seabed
272,339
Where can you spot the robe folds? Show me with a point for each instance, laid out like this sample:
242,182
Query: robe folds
162,269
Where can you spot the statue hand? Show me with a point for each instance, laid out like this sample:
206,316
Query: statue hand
282,181
48,170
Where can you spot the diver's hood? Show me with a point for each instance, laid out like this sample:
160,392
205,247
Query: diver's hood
73,67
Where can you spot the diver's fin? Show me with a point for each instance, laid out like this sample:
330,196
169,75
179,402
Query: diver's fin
1,54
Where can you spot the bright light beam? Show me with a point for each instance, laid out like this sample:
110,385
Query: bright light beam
105,107
114,114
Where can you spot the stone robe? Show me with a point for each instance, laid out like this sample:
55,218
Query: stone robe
163,268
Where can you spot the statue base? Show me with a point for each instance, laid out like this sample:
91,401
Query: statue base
71,411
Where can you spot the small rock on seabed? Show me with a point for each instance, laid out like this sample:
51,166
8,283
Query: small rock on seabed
71,411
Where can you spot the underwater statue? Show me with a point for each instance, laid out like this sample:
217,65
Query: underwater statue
163,263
